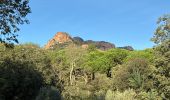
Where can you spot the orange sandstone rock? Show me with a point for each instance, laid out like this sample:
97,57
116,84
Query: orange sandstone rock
60,37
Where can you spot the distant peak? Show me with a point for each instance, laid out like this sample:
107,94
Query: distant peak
63,39
59,37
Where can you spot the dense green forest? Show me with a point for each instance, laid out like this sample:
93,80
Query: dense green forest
29,72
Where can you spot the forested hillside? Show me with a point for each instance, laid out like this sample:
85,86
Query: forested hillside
28,72
70,68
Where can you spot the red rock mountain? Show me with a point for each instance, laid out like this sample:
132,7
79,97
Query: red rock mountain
59,38
62,39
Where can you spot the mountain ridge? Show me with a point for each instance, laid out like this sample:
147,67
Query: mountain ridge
63,38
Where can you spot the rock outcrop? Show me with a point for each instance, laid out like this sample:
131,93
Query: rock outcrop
78,40
62,39
102,45
59,38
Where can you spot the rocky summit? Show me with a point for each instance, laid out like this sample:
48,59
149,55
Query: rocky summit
59,38
62,39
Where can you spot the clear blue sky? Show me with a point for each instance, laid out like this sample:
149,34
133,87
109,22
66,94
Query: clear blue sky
122,22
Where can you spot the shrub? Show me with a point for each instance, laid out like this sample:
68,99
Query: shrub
116,95
76,93
135,74
19,80
48,93
151,95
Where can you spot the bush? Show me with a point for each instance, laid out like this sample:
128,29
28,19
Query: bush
136,74
48,93
151,95
19,80
34,55
116,95
76,93
28,66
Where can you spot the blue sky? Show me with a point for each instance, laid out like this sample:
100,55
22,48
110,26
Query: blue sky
122,22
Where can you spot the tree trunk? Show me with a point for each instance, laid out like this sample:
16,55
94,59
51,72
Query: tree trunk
86,78
71,73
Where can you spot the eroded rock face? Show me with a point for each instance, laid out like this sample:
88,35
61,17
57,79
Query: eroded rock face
62,38
59,38
102,45
78,40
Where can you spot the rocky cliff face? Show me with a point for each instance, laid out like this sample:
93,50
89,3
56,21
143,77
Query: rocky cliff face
62,39
59,38
102,45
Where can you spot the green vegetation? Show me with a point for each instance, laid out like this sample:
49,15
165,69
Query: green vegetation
28,72
12,14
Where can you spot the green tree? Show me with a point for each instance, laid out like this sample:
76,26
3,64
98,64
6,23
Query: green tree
111,58
74,57
162,63
147,54
103,61
32,53
19,80
91,48
60,65
162,57
134,74
162,33
12,14
92,61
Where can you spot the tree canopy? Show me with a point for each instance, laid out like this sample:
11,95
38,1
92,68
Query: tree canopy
162,33
12,14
